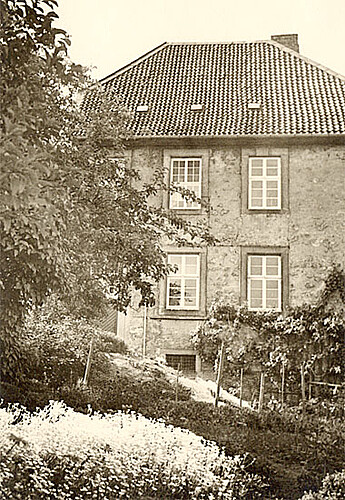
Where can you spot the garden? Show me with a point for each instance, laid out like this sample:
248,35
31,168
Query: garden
136,434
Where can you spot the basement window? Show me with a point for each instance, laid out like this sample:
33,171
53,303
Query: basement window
182,362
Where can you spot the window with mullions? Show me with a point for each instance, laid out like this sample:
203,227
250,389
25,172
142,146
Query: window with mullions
264,281
185,173
183,362
264,190
183,282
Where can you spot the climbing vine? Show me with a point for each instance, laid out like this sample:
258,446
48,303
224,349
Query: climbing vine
310,335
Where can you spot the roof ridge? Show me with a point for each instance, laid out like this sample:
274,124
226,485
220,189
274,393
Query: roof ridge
271,42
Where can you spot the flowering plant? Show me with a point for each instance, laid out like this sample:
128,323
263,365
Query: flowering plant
58,453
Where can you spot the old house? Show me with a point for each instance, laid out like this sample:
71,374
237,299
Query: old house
258,130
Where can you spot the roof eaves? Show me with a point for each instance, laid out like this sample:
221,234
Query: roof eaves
239,136
133,63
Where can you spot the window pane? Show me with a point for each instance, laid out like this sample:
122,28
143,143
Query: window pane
256,193
190,292
256,284
256,172
272,202
178,170
272,303
255,304
176,200
255,266
272,172
272,162
257,203
175,260
174,292
272,184
272,285
257,184
191,265
272,266
255,293
256,162
193,174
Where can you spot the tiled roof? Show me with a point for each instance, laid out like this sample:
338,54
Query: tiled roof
296,95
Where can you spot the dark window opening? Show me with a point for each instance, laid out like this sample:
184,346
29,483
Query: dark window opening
183,362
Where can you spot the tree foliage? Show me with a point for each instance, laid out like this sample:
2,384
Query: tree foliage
74,218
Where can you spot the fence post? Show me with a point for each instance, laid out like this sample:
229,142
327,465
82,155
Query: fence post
88,364
262,389
241,387
176,391
283,382
219,375
303,389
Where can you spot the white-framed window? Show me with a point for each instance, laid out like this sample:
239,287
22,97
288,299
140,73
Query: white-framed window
185,173
183,283
264,183
264,282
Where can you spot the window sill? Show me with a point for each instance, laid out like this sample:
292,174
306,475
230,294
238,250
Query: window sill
183,315
265,211
186,211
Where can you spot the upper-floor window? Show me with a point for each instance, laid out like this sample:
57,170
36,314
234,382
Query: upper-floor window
264,281
264,183
185,173
183,282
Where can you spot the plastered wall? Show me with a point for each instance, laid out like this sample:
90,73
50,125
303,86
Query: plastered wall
311,227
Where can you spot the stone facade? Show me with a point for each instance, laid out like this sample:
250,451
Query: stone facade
309,228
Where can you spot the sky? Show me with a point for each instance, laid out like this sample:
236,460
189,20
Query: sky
108,34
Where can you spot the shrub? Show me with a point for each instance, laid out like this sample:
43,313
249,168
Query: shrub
58,453
56,346
333,487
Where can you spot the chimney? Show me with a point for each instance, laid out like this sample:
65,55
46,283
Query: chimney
290,41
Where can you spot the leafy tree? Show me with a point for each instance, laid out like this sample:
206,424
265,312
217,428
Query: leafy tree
73,220
32,68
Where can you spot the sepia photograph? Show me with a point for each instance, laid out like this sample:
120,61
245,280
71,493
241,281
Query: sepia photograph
172,249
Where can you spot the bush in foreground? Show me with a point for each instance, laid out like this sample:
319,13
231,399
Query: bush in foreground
58,453
333,487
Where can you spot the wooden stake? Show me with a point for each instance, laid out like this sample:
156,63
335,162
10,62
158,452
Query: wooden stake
241,387
262,388
219,375
176,392
283,382
88,364
303,389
